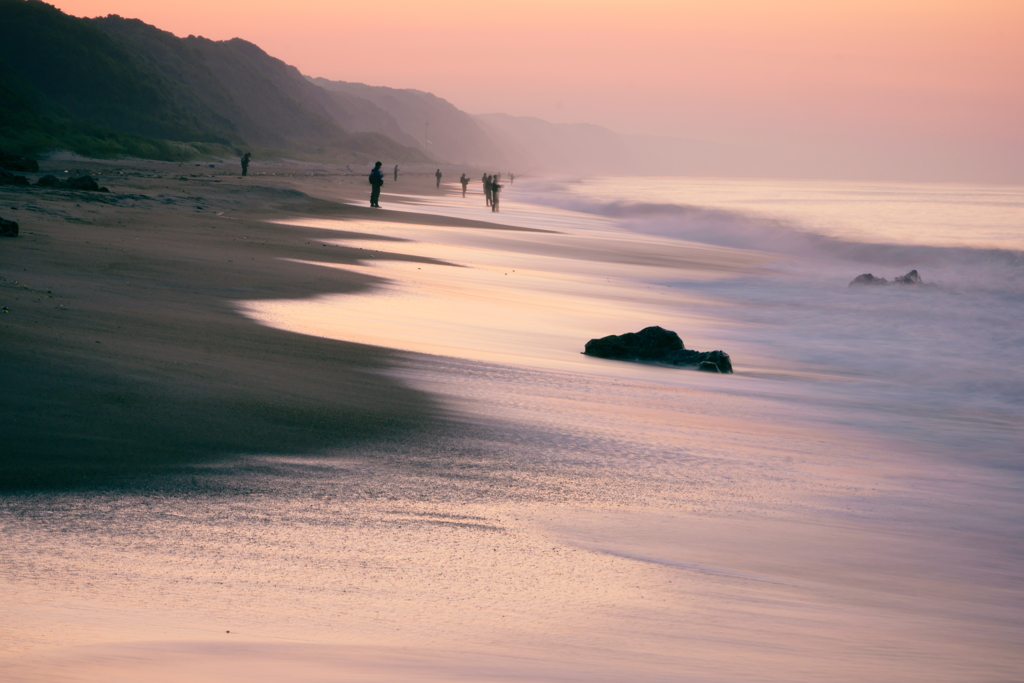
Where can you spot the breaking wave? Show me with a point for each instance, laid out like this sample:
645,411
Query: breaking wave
1002,269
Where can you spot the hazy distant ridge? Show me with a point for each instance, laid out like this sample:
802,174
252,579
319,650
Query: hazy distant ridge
527,144
454,135
536,145
112,86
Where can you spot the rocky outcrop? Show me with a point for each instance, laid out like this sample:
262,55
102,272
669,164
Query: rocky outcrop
13,162
8,228
656,345
8,178
911,278
86,183
868,279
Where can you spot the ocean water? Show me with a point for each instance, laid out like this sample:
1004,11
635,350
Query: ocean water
952,350
847,506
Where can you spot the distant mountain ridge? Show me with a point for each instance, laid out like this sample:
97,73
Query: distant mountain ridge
71,78
587,149
454,135
111,86
528,144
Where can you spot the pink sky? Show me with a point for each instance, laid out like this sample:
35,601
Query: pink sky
924,89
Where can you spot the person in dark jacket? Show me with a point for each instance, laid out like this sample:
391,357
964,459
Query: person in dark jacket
245,163
376,182
495,191
438,176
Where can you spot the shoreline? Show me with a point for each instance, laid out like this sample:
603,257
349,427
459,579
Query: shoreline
536,514
125,358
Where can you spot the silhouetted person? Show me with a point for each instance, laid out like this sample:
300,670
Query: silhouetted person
487,188
245,163
376,182
511,178
438,176
396,173
465,182
495,191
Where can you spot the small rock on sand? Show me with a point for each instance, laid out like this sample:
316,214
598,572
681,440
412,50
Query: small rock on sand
8,228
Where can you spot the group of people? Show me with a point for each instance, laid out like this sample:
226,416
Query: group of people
491,182
492,189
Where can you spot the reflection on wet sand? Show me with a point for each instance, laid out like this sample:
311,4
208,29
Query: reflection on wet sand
586,521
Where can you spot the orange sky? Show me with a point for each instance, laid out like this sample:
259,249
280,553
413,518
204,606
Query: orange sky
904,84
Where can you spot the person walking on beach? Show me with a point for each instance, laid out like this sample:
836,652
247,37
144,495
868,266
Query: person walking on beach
438,176
487,188
465,182
396,173
245,162
511,178
376,182
495,191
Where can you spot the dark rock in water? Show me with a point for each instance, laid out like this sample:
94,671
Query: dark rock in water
650,343
868,279
8,178
48,181
911,278
13,162
656,345
719,358
8,228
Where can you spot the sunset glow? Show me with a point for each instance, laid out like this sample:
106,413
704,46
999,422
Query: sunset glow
547,341
911,87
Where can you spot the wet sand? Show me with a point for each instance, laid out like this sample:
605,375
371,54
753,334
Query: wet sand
302,507
123,355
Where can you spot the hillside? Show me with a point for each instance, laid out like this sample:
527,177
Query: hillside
453,134
112,78
111,86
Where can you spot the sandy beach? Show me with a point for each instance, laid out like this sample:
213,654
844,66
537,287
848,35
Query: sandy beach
124,351
256,430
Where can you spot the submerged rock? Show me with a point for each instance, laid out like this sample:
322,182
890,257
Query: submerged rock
8,228
868,279
656,345
911,278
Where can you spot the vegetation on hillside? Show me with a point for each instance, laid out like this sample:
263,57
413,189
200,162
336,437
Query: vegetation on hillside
110,86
